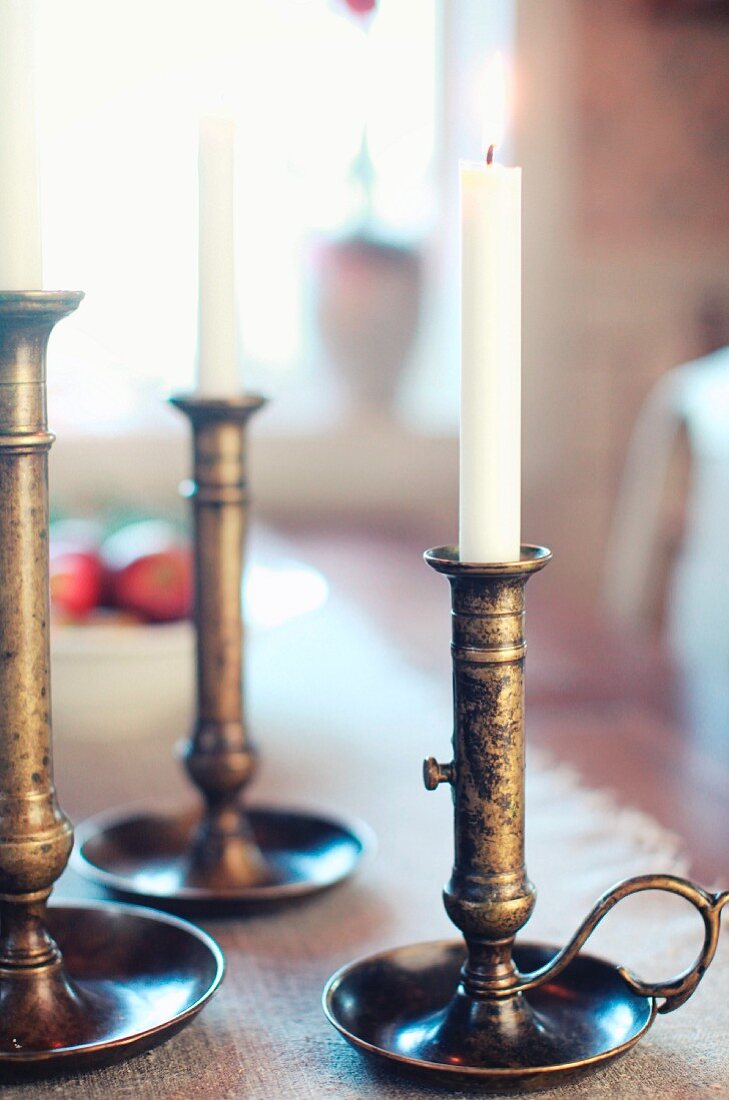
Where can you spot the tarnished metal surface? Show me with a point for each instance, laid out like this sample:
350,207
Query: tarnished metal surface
35,836
489,897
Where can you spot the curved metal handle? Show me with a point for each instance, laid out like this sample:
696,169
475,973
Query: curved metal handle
676,990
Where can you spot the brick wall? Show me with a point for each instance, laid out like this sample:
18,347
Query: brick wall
634,221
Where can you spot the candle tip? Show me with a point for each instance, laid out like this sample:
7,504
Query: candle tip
490,154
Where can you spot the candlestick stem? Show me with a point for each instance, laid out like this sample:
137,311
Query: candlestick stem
37,835
219,756
489,896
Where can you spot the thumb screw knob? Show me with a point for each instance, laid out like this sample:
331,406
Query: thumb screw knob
435,773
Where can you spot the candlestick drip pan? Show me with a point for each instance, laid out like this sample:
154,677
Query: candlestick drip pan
156,857
405,1006
127,979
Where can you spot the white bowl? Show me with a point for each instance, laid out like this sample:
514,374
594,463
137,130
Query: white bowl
112,680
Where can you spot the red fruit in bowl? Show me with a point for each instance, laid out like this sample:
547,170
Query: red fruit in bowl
76,582
157,586
150,571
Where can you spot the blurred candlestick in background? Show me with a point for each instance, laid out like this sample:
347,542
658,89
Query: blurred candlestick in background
218,373
20,234
490,449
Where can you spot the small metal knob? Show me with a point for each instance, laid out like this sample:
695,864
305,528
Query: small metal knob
435,773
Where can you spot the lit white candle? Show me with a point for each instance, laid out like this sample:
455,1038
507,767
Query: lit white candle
20,235
490,448
218,372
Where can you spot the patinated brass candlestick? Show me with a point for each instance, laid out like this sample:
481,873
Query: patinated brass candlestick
521,1015
79,984
228,855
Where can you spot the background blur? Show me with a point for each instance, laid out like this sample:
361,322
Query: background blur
349,131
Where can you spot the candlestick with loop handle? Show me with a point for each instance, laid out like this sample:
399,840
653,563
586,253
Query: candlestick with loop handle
509,1013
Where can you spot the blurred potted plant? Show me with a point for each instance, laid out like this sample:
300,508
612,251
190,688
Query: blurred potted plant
368,287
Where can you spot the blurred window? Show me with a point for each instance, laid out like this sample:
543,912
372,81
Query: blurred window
335,131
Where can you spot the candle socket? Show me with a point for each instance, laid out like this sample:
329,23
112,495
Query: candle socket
64,1000
230,854
511,1014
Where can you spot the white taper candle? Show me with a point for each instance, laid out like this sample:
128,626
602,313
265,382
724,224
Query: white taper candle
490,445
218,372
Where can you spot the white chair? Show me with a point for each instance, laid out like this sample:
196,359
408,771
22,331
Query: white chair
693,398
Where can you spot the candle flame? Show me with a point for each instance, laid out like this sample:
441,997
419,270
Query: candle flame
493,99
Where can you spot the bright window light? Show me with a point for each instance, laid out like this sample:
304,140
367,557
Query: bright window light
121,87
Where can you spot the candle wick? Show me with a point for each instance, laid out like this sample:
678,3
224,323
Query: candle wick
490,154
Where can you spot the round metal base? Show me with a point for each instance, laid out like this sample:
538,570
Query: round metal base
282,855
406,1006
128,979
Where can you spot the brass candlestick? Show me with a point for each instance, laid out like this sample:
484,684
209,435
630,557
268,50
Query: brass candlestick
228,855
513,1016
79,984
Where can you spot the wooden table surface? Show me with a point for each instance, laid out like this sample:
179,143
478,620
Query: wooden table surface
345,706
